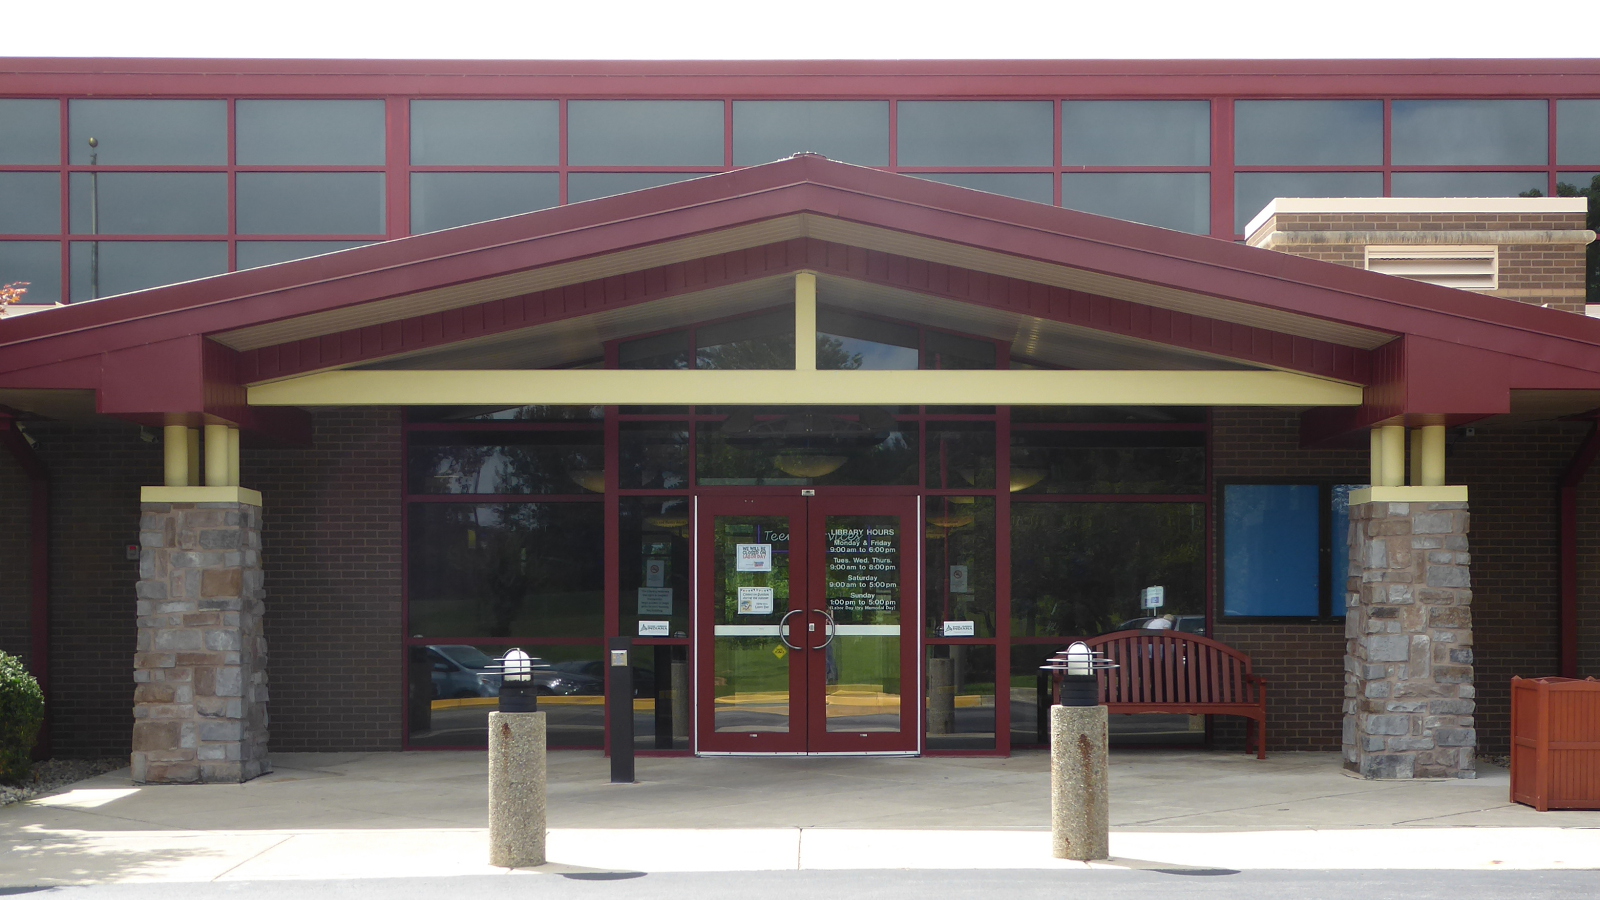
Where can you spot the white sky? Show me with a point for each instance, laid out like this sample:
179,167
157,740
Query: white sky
799,29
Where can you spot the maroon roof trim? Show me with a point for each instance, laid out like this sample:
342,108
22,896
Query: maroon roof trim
827,78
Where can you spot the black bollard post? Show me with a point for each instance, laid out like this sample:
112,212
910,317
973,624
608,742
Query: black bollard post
619,706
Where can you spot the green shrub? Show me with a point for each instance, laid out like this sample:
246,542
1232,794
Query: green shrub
21,714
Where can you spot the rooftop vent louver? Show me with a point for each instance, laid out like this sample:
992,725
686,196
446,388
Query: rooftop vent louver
1466,268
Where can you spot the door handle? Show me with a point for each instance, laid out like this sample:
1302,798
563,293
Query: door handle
783,624
829,626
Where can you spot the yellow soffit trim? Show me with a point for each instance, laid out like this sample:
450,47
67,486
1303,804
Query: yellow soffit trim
601,387
229,494
1410,493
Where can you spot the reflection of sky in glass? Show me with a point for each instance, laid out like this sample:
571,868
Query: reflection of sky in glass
875,355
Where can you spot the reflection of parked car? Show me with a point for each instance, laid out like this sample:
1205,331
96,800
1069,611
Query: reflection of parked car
461,671
644,680
1186,624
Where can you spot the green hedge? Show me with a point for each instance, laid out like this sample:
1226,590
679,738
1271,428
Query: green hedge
21,714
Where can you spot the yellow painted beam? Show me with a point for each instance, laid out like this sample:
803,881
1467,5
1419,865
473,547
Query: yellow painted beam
1410,493
805,321
602,387
199,494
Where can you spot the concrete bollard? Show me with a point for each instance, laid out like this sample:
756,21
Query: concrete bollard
941,695
516,789
1080,813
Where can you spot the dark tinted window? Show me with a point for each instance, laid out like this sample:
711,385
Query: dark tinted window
507,569
654,574
151,202
1577,131
960,535
1136,132
30,202
1467,184
541,462
1033,186
594,185
135,265
1177,200
663,351
949,351
654,455
151,132
251,254
1470,132
310,203
847,130
961,455
30,132
1252,191
1108,462
644,132
309,132
36,262
447,199
1079,568
753,342
975,133
1308,132
485,133
846,341
805,446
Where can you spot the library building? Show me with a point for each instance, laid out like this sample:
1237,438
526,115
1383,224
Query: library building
849,392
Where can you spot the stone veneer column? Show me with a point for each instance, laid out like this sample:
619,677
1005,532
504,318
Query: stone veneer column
200,670
1408,709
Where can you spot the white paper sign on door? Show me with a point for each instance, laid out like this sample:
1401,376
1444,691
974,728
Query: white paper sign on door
752,557
960,629
755,601
648,628
958,580
655,572
655,601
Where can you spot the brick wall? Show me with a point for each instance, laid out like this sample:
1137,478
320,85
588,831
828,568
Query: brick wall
1512,473
1302,660
331,554
1589,575
96,470
15,583
1538,273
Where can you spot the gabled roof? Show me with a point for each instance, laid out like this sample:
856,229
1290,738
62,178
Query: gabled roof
189,349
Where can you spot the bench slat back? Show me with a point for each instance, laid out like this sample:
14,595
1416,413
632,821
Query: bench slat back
1171,667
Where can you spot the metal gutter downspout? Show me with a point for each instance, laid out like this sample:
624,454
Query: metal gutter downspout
39,580
1570,482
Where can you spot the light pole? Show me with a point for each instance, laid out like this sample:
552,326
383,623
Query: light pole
1080,808
516,769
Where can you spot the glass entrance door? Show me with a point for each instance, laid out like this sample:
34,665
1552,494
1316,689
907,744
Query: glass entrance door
801,608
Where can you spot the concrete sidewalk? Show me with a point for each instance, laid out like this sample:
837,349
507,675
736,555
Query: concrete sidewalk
421,814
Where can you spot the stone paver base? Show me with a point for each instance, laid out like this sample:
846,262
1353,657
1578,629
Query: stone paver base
200,670
1409,696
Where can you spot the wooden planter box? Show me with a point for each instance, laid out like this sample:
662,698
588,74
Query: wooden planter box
1555,743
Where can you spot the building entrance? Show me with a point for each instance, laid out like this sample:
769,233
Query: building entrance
807,624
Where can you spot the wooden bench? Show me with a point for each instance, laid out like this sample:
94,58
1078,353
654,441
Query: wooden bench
1173,672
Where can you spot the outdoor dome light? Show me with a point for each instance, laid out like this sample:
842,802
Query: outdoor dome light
1079,660
518,666
517,691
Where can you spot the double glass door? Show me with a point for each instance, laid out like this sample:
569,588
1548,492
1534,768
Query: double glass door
807,625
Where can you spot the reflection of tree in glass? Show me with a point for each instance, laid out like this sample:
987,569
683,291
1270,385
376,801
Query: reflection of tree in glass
543,463
1078,568
774,352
